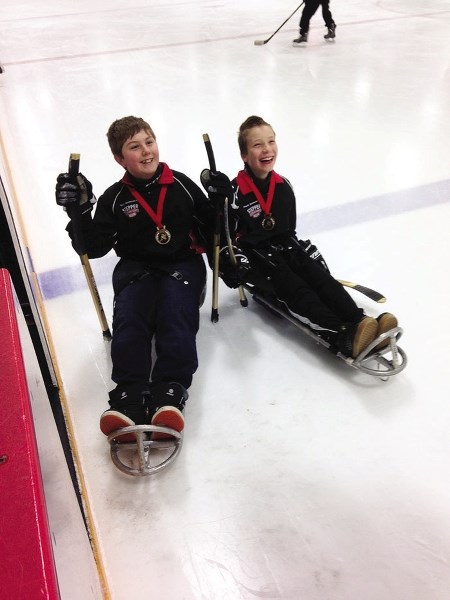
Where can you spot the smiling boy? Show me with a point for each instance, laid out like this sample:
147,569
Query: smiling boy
263,219
158,221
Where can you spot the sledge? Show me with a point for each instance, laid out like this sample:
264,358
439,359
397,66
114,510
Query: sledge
383,363
145,456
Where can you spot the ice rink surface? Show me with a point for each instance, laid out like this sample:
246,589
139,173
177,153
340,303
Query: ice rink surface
300,478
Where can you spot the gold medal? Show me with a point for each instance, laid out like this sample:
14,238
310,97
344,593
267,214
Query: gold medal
268,223
163,235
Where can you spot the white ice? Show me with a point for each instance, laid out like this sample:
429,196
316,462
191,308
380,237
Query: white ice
299,478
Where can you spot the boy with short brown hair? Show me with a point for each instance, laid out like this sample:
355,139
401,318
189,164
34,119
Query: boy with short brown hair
159,222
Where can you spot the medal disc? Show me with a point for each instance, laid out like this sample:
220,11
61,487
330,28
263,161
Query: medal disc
268,222
162,236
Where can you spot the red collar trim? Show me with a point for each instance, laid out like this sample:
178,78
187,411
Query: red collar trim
246,184
165,178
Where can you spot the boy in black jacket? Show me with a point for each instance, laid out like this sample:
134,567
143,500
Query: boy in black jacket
158,221
262,220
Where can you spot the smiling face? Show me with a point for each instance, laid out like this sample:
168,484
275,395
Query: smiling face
140,155
261,150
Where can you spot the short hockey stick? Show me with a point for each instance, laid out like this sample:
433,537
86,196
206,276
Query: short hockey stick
262,42
216,239
242,296
215,302
74,165
372,294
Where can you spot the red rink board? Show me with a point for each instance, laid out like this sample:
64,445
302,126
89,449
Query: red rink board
27,570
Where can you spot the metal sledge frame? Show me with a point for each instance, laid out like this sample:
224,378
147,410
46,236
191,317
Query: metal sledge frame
140,450
390,360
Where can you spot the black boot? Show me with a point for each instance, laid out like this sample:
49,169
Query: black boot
129,406
166,406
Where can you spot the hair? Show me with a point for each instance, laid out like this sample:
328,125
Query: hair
249,123
123,129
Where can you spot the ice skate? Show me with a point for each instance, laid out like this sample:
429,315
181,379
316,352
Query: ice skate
303,38
331,33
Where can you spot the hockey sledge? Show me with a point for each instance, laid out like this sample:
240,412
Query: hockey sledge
145,456
383,363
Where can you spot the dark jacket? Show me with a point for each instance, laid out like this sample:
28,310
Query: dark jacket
120,222
247,216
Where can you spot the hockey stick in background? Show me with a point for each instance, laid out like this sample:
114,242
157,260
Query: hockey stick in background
262,42
372,294
215,299
74,166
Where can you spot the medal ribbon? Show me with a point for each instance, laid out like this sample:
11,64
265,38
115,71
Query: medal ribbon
245,181
156,217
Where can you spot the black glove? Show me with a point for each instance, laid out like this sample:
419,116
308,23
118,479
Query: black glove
73,193
217,184
313,253
233,272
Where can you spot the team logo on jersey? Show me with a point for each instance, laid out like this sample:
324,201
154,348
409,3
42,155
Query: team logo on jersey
130,210
254,211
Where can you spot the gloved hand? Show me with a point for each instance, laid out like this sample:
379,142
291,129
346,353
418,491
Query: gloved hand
217,184
73,193
313,253
233,272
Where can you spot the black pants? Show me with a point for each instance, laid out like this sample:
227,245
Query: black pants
309,292
310,8
160,306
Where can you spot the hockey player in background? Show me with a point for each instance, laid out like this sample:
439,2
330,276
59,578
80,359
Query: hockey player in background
308,12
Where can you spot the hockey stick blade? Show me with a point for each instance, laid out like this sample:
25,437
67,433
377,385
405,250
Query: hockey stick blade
262,42
372,294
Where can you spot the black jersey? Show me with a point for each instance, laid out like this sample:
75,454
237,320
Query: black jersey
248,216
122,223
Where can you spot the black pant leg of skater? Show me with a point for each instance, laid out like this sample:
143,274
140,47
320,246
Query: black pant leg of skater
178,306
310,8
326,14
330,291
133,328
293,291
